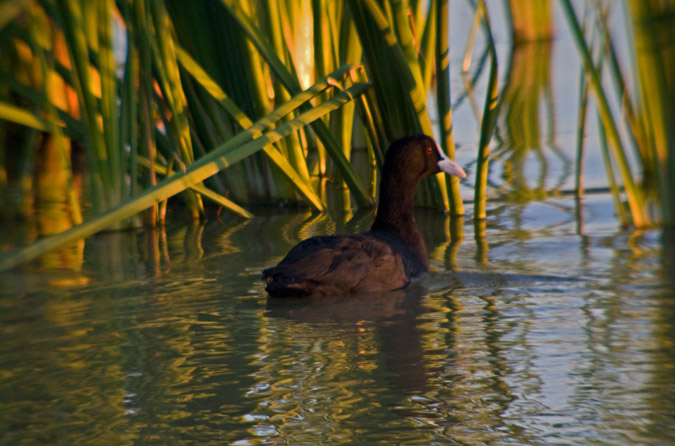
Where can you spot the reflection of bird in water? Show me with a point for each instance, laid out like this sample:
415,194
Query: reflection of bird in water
393,315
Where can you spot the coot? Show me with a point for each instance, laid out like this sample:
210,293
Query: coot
384,258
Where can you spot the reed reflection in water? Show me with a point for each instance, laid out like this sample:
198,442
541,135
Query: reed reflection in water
547,336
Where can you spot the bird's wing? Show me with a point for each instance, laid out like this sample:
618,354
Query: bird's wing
343,264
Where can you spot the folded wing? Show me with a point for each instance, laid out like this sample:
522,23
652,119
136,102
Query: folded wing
337,264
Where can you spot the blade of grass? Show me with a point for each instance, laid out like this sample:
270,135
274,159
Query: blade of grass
621,211
53,92
405,40
137,19
636,132
581,129
129,114
18,115
443,99
70,16
427,39
653,23
471,41
490,112
107,106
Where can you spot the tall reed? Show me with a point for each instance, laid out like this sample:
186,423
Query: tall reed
490,113
443,102
653,25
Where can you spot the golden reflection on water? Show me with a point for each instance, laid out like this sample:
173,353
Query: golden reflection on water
511,349
53,213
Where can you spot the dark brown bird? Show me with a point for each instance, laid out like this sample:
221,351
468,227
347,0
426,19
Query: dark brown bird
384,258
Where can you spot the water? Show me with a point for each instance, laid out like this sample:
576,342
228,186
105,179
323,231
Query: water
542,334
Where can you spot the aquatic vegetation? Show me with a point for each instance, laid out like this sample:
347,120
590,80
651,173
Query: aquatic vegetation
133,97
644,130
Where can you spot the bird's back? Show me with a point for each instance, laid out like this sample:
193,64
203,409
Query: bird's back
341,264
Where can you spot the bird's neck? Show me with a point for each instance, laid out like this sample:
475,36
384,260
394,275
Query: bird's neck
395,213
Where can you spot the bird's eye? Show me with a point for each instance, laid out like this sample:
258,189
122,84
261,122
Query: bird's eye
430,150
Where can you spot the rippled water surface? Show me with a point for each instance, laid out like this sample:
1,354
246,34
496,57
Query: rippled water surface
546,332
